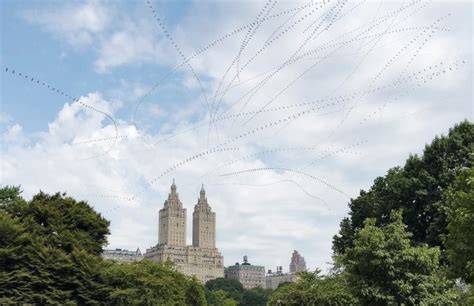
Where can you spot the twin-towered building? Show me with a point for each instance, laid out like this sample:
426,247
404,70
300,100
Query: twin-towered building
202,258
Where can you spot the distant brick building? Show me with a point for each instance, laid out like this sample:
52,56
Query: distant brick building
297,263
250,276
122,255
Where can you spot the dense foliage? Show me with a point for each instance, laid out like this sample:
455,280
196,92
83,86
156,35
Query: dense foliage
313,289
417,188
404,236
236,293
147,283
49,248
459,201
232,287
384,267
50,254
256,297
61,221
219,298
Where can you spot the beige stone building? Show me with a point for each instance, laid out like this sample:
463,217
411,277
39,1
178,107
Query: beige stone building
202,258
120,255
250,276
274,279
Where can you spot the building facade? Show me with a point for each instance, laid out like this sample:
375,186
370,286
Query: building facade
122,255
297,264
204,224
274,279
250,276
201,259
172,221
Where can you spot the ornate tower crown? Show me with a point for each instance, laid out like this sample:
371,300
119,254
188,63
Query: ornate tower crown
202,204
204,223
173,198
172,221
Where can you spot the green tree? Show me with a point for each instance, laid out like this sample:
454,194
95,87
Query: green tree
219,298
256,297
383,267
35,267
459,201
64,222
311,288
283,284
233,287
195,293
149,283
417,188
49,255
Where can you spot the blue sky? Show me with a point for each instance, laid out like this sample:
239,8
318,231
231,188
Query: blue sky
28,47
317,99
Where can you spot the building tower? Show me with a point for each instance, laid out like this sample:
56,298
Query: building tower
204,224
298,263
172,221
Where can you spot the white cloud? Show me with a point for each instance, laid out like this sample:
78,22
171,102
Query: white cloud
134,44
117,38
77,24
14,135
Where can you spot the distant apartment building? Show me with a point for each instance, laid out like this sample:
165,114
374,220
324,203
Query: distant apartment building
274,279
250,276
297,263
122,255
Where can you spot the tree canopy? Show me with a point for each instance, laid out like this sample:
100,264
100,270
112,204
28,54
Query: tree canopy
219,298
311,288
459,202
256,296
50,251
63,222
147,283
232,287
417,188
383,266
234,292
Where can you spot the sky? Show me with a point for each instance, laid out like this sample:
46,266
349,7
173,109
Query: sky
284,110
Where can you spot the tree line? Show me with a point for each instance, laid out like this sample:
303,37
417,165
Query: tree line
407,241
50,254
